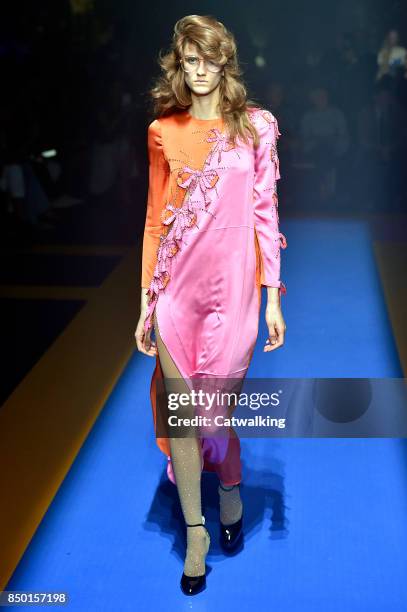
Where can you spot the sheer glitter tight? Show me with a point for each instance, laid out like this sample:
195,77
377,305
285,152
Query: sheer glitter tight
230,504
186,462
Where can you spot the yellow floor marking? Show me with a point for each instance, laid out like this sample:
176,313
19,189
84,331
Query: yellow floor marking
46,419
391,259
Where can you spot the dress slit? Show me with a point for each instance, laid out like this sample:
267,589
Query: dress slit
228,468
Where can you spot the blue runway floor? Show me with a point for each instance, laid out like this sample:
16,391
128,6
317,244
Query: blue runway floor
324,518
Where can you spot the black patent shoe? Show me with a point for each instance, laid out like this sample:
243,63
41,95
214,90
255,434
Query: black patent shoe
192,585
231,535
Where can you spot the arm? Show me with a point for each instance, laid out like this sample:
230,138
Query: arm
158,179
265,204
266,221
157,193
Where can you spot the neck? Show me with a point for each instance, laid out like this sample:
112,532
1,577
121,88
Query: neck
206,106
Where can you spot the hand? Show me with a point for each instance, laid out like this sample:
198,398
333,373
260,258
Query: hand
276,326
143,339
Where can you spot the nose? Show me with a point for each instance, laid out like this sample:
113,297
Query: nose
203,69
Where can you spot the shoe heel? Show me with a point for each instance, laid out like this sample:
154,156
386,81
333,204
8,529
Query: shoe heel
231,535
192,585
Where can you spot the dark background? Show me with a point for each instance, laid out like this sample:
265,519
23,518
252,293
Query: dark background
75,78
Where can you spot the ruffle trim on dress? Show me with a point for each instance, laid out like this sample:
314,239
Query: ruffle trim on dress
179,219
283,288
197,182
255,113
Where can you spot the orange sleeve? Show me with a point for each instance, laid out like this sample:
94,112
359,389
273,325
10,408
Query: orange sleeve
158,178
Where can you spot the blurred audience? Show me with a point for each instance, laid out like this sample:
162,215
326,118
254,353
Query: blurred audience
392,56
73,119
110,139
381,147
324,139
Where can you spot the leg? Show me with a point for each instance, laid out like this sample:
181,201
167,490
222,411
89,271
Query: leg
186,460
231,507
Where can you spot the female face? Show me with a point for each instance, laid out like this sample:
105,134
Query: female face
201,76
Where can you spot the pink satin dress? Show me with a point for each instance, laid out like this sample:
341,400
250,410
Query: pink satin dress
211,240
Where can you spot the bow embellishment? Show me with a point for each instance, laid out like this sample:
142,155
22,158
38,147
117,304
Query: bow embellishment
283,240
192,179
180,219
222,144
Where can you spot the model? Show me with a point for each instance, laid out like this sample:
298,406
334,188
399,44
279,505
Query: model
211,241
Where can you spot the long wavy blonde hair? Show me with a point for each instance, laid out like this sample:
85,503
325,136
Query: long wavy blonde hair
170,93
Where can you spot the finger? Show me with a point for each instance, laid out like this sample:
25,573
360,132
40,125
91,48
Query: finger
281,333
272,347
150,347
279,341
141,344
142,349
152,351
272,341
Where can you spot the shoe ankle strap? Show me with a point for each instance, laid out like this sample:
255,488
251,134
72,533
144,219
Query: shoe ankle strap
197,524
229,488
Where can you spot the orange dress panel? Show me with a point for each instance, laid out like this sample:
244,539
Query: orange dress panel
157,193
163,187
